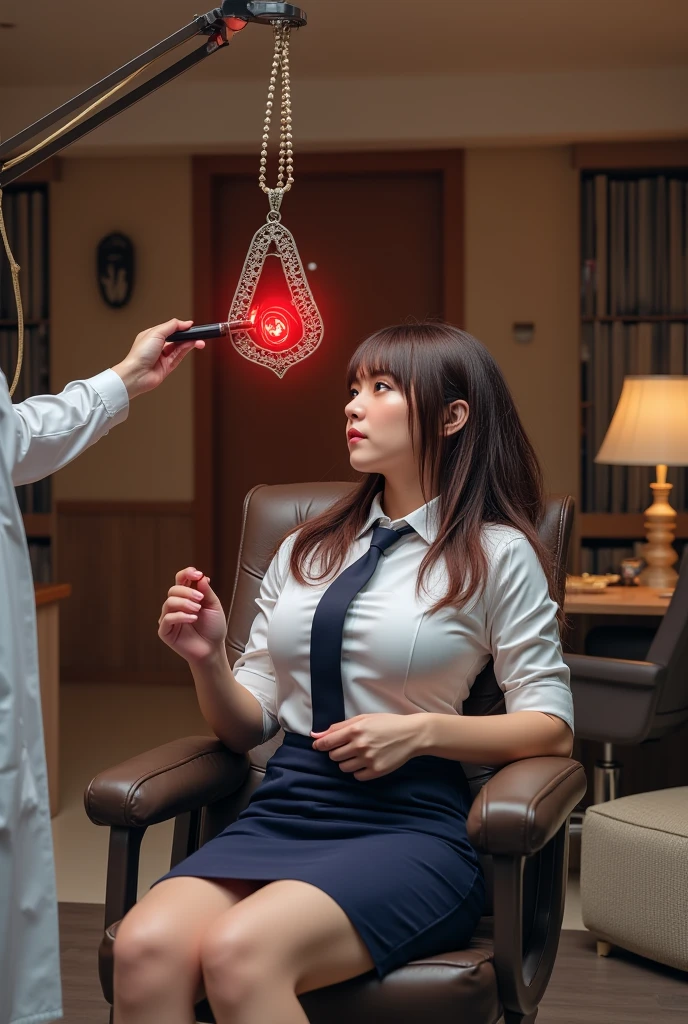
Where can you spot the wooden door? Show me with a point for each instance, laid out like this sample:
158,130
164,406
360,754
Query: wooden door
376,242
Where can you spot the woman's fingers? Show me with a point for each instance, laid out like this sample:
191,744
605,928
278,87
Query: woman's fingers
172,619
344,753
367,775
354,764
188,575
333,738
188,593
192,582
180,604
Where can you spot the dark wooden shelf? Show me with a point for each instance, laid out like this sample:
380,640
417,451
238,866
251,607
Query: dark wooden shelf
630,318
618,529
656,155
622,526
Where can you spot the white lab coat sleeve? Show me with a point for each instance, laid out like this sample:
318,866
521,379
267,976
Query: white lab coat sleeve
51,430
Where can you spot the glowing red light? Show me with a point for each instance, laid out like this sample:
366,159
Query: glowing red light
274,326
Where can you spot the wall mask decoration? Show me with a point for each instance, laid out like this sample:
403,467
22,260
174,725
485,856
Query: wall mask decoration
115,268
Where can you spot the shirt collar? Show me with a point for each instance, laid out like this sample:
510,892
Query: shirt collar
424,520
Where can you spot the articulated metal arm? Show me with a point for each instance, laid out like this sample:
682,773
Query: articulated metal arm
213,25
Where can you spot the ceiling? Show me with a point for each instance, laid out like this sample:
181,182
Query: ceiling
86,40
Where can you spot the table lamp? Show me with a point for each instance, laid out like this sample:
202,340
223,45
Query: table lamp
650,428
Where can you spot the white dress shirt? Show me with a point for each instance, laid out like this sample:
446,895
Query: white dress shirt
398,657
37,437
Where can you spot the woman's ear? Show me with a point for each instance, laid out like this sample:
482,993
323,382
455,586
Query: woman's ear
457,415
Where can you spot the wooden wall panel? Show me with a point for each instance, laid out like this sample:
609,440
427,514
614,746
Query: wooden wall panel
630,155
120,558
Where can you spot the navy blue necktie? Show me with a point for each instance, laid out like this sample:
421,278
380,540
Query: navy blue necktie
327,693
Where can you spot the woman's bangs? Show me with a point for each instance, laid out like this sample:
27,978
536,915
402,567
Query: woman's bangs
382,355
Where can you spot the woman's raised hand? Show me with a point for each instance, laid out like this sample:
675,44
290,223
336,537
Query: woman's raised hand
192,621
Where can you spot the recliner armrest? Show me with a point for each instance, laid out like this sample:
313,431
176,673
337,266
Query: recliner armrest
614,671
172,779
525,804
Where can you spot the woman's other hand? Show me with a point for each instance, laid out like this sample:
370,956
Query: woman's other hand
371,745
192,621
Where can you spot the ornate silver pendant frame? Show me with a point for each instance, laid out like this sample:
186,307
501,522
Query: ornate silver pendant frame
279,361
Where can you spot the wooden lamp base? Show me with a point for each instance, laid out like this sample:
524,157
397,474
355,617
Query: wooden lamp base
660,527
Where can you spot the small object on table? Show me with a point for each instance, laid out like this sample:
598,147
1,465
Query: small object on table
638,600
589,583
631,569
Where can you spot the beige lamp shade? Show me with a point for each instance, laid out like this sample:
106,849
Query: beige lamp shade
650,423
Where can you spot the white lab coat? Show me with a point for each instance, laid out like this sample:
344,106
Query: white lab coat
37,437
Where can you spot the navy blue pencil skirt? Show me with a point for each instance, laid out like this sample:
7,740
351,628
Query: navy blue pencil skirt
392,852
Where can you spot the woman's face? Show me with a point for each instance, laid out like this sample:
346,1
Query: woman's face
378,410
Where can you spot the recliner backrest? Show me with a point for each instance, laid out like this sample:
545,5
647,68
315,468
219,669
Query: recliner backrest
670,648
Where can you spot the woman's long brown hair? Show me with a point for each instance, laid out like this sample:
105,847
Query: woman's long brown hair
487,472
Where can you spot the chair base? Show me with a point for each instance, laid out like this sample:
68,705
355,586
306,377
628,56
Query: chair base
576,823
517,1018
606,786
607,779
603,948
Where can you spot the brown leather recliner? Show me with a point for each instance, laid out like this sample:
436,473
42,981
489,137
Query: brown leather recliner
518,822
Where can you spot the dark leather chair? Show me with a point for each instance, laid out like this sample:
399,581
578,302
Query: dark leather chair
625,701
518,821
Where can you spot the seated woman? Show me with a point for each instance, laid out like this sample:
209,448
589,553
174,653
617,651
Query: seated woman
374,619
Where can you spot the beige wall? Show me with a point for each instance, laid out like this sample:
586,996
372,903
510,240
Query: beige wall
381,111
522,265
521,260
149,456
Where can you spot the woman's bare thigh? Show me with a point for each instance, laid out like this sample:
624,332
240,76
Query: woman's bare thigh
302,933
189,899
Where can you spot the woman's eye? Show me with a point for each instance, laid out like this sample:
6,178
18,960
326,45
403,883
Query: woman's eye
379,383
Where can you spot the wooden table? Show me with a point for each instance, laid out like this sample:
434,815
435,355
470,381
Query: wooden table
48,596
618,600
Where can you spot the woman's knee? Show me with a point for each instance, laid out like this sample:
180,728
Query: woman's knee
236,961
149,956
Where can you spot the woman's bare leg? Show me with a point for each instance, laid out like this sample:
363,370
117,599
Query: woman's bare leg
285,939
157,948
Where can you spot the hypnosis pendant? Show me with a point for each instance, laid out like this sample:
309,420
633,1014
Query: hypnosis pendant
287,323
288,326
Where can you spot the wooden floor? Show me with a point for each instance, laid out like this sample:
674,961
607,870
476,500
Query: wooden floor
585,989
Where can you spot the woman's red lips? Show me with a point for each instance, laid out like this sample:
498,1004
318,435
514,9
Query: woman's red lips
354,433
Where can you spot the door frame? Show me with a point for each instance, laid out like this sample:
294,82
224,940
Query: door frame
205,170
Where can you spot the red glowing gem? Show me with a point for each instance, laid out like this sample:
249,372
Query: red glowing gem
274,326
